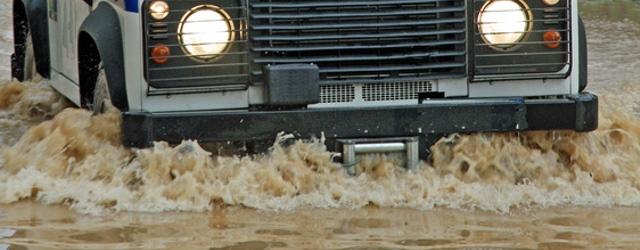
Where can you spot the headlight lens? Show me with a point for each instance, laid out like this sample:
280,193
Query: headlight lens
205,32
503,23
159,10
551,2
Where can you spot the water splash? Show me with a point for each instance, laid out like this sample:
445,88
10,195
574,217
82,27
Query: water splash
75,159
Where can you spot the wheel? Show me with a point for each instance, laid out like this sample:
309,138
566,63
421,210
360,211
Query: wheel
29,66
101,96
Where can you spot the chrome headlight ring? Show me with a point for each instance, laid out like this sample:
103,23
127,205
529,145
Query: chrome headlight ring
504,23
206,32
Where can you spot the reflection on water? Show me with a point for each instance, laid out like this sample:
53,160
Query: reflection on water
73,161
369,228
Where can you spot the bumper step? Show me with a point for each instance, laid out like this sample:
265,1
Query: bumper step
427,120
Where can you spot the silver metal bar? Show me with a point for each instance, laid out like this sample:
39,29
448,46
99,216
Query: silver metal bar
349,157
352,148
413,152
380,147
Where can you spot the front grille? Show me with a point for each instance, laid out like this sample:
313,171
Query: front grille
395,91
359,41
374,92
337,93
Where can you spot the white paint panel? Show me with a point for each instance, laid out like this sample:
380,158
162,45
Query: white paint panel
71,14
520,88
256,95
133,57
453,87
196,102
66,87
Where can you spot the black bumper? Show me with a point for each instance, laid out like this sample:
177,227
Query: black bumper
579,113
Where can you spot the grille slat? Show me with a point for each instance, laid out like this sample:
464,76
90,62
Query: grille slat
276,27
391,68
353,58
355,40
376,14
357,35
359,47
384,70
302,4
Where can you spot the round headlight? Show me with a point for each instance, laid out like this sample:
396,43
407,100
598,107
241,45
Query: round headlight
551,2
503,23
159,10
205,32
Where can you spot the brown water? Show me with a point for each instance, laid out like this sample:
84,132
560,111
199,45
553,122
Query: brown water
37,226
66,183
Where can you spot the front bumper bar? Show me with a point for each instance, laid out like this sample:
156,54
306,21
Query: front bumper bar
579,113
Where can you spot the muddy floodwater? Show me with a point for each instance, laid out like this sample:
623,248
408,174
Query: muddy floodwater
37,226
67,183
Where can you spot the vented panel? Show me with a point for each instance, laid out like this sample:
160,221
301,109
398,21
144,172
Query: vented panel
337,93
357,41
395,91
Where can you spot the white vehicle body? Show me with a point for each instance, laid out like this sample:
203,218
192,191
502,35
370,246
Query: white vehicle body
459,80
65,72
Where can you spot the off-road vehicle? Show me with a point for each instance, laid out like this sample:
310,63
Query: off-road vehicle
368,75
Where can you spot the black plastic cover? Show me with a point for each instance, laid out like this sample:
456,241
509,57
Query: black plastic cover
292,84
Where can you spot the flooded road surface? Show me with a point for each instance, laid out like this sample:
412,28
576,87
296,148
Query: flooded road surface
36,226
66,182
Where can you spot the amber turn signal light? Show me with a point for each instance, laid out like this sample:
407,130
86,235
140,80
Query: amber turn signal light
160,54
552,39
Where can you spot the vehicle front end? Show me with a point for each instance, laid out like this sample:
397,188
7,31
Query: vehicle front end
359,72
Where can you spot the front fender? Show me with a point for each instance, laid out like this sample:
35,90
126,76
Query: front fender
103,26
36,16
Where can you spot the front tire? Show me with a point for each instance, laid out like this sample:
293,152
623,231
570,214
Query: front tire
101,96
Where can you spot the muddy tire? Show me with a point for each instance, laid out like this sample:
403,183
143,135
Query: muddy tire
101,96
29,70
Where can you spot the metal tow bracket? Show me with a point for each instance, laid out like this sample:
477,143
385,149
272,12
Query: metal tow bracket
351,148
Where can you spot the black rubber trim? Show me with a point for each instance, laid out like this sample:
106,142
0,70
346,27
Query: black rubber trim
103,26
516,114
584,56
36,11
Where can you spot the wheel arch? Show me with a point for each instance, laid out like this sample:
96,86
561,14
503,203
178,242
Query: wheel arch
31,15
100,41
